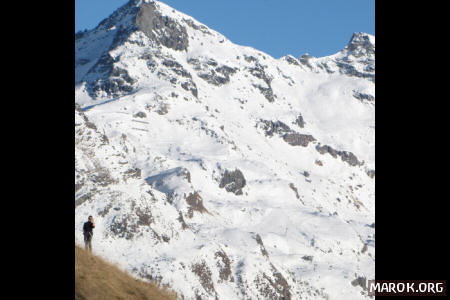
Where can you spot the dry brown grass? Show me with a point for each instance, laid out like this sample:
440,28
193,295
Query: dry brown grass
96,279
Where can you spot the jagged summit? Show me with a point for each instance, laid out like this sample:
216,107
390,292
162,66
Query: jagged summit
357,59
361,44
219,170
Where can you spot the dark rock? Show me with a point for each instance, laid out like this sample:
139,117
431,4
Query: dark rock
289,136
297,139
177,68
181,220
145,217
204,275
259,72
360,45
266,92
350,70
224,266
140,114
124,227
300,122
307,258
363,97
360,281
201,28
277,127
292,60
161,29
195,203
233,181
327,149
292,186
276,288
305,59
190,86
350,158
163,109
133,173
112,80
250,58
346,156
88,123
260,243
212,78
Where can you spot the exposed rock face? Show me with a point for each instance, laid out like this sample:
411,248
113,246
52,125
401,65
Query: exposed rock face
224,264
161,28
371,173
361,45
233,181
357,59
290,136
140,114
259,72
360,281
204,274
195,203
300,122
297,139
346,156
210,71
292,60
177,68
278,127
363,97
260,243
190,85
113,80
273,286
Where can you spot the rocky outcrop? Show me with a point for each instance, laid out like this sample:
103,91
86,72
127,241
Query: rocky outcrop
204,274
363,96
345,156
300,122
195,203
233,181
160,28
111,79
210,71
297,139
224,266
290,136
259,72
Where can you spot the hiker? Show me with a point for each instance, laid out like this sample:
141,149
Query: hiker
88,233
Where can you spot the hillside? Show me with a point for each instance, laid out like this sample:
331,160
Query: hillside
219,170
96,279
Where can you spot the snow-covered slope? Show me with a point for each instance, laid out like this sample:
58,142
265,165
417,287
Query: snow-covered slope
219,170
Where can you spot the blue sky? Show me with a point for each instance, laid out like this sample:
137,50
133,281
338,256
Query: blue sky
319,27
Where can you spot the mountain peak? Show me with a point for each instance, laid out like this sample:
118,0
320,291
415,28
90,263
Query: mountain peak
161,28
362,40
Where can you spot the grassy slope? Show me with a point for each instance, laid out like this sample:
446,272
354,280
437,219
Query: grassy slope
96,279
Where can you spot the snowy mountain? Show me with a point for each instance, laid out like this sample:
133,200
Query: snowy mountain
220,171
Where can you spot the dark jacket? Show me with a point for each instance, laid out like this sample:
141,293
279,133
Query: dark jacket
87,228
